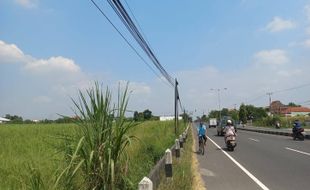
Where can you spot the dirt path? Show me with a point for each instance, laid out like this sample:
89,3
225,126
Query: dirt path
198,183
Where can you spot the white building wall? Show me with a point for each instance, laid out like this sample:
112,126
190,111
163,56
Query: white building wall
168,118
298,113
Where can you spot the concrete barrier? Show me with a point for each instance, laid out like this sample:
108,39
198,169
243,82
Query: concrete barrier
168,163
164,164
177,148
270,131
181,141
145,184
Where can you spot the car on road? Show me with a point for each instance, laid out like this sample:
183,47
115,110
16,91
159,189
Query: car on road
222,124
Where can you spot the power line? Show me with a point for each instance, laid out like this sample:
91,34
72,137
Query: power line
279,91
131,12
121,12
130,45
131,27
292,88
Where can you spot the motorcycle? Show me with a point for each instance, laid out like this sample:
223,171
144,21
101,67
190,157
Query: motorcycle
298,133
231,142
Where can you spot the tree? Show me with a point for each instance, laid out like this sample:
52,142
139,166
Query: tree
243,114
14,119
234,115
147,114
185,117
136,116
214,114
292,104
204,118
255,113
225,112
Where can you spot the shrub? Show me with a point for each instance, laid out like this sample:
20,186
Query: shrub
95,156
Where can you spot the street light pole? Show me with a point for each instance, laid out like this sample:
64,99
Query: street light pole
219,99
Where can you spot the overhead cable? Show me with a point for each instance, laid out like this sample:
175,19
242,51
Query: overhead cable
130,45
131,27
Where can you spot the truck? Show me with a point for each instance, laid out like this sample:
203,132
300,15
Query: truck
212,122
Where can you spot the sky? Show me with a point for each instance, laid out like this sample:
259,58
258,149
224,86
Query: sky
49,50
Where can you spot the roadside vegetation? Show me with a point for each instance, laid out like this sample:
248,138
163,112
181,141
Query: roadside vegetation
258,116
102,150
182,169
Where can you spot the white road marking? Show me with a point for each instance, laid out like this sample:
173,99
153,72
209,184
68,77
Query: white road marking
241,167
206,172
254,140
301,152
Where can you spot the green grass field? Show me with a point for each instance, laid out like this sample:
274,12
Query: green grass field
33,145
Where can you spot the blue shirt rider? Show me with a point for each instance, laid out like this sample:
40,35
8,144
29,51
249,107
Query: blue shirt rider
202,129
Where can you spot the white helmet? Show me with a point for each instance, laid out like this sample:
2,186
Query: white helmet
229,122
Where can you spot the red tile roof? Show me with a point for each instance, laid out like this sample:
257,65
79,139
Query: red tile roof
296,109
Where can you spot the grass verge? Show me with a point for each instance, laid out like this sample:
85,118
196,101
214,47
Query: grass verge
182,169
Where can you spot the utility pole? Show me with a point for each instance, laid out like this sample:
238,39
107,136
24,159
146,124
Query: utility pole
269,94
176,97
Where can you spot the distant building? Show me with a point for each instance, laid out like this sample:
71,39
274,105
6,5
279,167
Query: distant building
295,111
276,107
168,118
3,120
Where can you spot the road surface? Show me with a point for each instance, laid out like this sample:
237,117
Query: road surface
260,161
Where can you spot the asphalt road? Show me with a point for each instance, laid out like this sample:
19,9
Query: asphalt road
260,161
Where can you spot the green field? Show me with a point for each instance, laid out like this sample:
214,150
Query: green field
33,146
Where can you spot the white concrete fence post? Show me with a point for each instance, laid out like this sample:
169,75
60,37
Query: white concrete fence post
181,141
168,163
186,130
145,184
184,137
177,148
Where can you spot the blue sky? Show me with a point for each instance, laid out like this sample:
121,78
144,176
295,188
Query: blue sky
49,49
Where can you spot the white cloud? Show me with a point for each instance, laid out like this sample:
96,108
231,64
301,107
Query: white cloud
308,30
307,11
289,73
27,3
53,64
58,77
243,85
10,53
139,88
278,24
306,43
41,99
271,57
135,88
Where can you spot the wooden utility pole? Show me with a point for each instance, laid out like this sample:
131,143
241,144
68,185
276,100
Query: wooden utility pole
176,97
269,94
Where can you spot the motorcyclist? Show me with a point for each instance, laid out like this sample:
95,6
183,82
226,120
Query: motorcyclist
296,125
202,131
229,129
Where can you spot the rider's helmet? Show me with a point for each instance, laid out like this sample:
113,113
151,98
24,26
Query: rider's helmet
229,122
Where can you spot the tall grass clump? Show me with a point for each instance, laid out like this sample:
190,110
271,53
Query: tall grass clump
96,155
